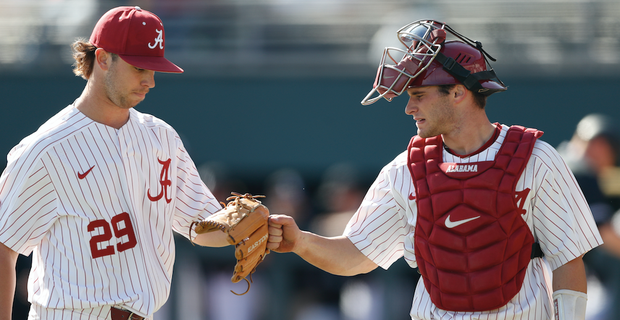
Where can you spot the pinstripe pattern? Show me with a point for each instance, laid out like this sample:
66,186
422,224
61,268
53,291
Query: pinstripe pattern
97,313
556,212
48,210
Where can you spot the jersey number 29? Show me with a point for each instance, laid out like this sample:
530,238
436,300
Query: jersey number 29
121,224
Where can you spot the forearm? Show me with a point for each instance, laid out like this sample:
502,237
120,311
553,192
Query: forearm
8,258
571,276
569,291
336,255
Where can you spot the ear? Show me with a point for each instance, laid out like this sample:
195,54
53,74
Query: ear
103,59
459,93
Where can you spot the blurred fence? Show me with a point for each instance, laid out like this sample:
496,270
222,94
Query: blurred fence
323,37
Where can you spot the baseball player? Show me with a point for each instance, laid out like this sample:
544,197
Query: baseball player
97,191
489,214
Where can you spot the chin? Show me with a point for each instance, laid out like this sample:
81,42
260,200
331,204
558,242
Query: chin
426,135
131,105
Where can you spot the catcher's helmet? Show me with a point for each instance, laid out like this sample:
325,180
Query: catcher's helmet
430,60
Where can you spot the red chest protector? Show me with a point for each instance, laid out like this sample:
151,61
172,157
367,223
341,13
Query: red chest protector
471,244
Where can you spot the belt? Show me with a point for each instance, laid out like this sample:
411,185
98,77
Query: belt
120,314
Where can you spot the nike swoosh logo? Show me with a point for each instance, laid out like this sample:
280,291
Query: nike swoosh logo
411,196
452,224
83,175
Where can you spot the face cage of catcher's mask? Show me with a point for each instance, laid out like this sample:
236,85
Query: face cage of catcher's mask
415,37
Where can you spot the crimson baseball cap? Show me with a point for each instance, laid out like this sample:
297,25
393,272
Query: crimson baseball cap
135,35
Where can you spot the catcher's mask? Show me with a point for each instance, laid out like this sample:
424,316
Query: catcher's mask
429,60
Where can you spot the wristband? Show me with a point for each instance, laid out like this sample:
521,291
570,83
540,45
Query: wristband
569,305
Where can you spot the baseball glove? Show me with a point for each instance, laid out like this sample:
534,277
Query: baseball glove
245,221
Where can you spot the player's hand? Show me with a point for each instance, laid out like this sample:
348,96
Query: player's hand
283,233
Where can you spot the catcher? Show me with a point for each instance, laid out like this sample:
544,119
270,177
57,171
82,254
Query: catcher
244,220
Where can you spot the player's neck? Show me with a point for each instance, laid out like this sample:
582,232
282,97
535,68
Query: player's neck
97,106
469,139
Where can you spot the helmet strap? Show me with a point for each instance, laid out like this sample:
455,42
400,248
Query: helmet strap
470,80
473,43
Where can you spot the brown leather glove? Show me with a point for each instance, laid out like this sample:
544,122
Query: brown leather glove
245,220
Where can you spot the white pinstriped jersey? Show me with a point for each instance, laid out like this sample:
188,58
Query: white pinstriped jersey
97,207
556,212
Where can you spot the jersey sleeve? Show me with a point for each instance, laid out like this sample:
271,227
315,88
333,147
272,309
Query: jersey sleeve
194,200
27,205
379,227
563,223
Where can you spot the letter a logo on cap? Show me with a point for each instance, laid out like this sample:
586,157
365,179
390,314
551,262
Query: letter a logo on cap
130,33
159,40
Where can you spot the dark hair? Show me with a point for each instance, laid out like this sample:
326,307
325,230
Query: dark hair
84,55
479,99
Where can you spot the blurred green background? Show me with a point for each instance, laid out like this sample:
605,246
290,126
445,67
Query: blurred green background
271,97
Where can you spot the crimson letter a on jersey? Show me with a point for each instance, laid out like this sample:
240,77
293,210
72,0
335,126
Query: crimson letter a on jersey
164,180
520,197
